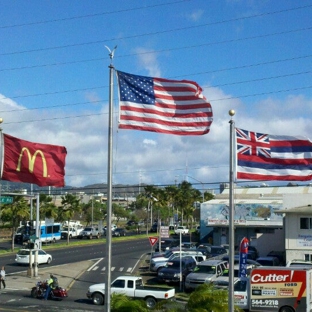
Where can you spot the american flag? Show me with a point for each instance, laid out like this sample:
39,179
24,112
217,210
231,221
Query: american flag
268,157
162,105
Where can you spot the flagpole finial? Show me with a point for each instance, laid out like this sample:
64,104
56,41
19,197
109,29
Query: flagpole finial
111,52
231,112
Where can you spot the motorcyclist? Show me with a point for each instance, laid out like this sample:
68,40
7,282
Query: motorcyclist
49,287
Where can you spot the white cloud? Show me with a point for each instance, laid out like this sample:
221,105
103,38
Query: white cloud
149,61
195,15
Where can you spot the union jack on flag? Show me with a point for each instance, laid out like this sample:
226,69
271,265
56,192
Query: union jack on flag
253,143
273,157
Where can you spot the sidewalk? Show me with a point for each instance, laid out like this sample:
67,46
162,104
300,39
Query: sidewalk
66,274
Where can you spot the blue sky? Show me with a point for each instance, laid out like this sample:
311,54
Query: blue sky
251,56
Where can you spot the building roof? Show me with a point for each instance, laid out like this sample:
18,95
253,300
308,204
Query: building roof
297,210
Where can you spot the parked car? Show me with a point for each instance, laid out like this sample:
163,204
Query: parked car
22,257
119,232
171,273
131,223
181,229
154,227
188,245
167,243
268,261
212,251
281,255
299,262
205,272
157,263
222,281
254,263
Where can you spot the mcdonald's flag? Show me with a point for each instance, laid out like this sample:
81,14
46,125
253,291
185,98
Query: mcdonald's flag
41,164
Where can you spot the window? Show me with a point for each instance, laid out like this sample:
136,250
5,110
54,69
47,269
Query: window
130,284
119,284
308,257
305,223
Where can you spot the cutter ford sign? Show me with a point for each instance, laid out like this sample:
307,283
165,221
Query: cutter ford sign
272,288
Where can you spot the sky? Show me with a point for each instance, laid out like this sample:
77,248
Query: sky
251,56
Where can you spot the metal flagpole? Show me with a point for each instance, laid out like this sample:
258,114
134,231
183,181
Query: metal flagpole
109,187
231,218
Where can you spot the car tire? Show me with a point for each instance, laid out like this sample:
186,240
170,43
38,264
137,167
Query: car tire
98,299
49,260
150,302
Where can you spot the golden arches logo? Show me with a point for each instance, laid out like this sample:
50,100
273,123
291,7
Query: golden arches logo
31,161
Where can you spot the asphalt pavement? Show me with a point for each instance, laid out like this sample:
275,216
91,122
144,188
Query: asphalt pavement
66,274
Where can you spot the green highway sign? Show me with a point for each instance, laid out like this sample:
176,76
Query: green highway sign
6,200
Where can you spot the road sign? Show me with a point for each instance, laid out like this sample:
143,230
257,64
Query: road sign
153,240
164,231
6,200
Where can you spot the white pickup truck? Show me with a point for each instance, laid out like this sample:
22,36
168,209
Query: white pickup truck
133,287
181,229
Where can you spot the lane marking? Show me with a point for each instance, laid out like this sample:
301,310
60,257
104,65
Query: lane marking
95,264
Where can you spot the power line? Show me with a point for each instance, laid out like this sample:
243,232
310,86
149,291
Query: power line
89,15
156,51
186,75
143,34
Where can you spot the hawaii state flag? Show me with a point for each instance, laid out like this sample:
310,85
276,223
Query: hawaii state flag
41,164
273,157
162,105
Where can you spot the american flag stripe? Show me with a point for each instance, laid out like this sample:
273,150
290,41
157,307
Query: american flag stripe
162,105
290,158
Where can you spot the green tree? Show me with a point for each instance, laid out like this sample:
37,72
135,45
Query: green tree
70,205
186,198
47,208
120,212
206,298
123,303
16,212
94,211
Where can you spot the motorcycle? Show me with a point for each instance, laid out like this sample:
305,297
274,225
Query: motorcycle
58,293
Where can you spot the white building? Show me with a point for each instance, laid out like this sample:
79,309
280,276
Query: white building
258,216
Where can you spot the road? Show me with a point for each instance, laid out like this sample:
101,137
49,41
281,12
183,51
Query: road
126,256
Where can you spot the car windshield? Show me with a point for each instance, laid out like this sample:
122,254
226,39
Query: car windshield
216,250
168,254
208,269
240,286
23,252
88,229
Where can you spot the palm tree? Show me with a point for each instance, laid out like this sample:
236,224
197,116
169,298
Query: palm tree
70,206
186,199
47,208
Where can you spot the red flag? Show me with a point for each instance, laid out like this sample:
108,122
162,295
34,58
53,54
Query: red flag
162,105
41,164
